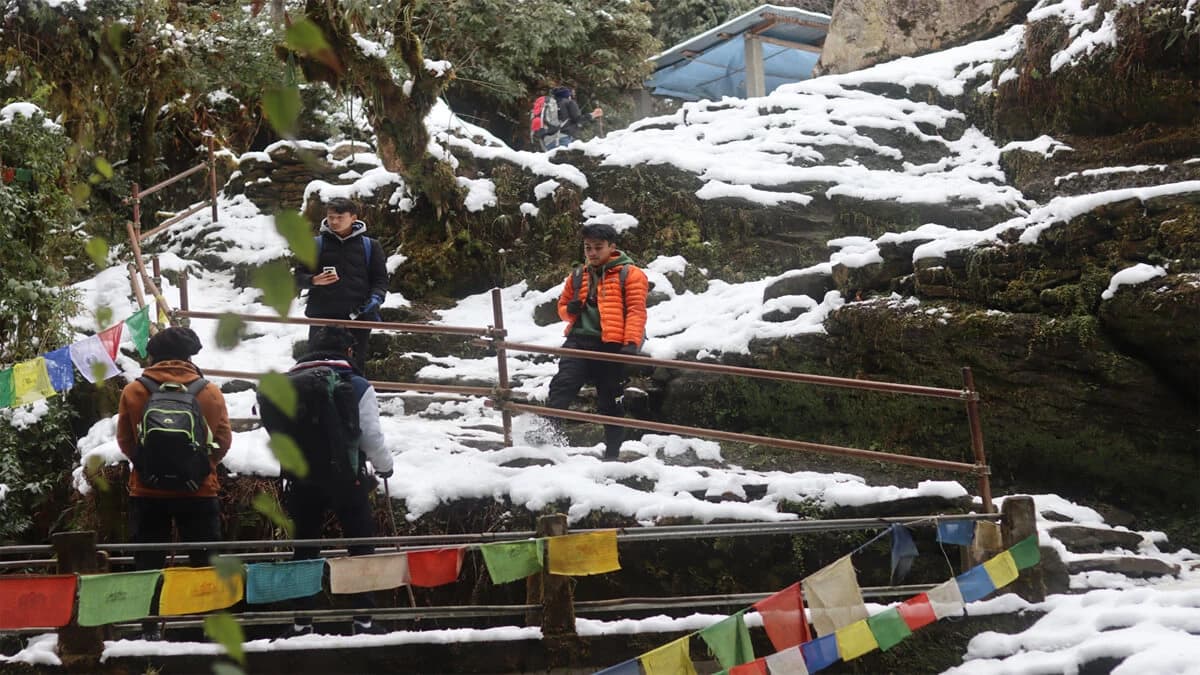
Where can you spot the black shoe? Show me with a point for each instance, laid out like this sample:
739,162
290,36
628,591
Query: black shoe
152,635
297,629
367,627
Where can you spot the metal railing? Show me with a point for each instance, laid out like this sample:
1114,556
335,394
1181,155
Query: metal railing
500,397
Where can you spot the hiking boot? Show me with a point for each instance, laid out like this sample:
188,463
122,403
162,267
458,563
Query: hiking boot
367,627
151,631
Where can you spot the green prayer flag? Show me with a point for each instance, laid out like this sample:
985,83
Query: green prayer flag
889,628
1026,553
512,560
138,326
113,598
6,388
729,640
24,175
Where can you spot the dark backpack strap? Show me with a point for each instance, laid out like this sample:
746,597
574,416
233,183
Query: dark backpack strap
576,280
197,386
367,249
150,385
623,276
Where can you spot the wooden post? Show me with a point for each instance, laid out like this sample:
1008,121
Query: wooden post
756,82
76,553
502,366
554,593
212,176
1018,522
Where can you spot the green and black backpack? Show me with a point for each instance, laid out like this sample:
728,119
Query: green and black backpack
174,441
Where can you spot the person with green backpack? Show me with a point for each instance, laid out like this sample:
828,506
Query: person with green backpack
173,426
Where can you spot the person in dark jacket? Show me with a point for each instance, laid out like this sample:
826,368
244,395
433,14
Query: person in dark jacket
603,314
571,120
350,281
196,515
307,501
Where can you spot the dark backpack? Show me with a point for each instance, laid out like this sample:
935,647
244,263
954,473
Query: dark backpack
577,281
543,118
173,445
326,426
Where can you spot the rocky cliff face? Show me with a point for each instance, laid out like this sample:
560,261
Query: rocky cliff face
866,32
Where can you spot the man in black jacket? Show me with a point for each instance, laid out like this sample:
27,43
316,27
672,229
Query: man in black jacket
350,281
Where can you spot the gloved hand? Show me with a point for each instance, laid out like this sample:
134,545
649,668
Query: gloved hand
574,308
371,306
384,474
630,350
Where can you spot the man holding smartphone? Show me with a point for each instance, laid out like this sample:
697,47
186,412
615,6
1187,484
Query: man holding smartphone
352,281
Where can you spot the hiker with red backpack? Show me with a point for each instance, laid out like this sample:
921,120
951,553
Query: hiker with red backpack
173,426
556,120
336,427
604,305
350,280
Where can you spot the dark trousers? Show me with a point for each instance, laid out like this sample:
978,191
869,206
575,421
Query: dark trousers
362,337
608,378
150,518
307,504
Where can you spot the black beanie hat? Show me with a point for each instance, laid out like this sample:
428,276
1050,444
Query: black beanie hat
174,343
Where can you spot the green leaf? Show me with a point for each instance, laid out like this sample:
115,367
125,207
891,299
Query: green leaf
228,568
94,465
230,330
97,250
226,631
80,193
305,36
103,167
295,228
223,668
289,455
279,390
268,506
275,281
282,105
104,317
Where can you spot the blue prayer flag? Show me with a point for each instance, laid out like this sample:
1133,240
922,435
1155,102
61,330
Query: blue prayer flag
975,584
903,552
629,667
62,371
272,582
820,653
961,532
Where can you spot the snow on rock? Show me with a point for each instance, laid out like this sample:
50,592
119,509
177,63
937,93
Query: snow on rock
595,213
481,193
1132,276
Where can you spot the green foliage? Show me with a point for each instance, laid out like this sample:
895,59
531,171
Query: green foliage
223,629
295,228
268,506
275,281
230,330
279,391
289,455
282,108
36,458
35,227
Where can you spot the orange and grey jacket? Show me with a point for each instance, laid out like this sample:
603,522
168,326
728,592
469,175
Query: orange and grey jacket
129,418
622,320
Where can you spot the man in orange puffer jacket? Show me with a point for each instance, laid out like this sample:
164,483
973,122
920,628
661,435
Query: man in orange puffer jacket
606,313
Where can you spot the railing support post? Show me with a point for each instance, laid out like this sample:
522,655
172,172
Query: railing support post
554,593
502,363
212,175
984,473
183,290
77,554
1018,522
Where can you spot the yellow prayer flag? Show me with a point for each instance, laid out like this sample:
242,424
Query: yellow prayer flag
581,554
855,640
31,382
669,659
192,590
1002,569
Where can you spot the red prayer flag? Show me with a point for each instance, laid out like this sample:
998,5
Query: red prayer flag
435,568
36,601
111,339
783,618
755,667
917,612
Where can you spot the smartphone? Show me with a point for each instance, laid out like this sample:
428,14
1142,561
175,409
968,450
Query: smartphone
329,270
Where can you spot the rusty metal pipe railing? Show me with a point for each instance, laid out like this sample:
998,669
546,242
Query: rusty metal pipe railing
825,380
175,219
212,174
344,323
171,181
944,464
985,479
380,385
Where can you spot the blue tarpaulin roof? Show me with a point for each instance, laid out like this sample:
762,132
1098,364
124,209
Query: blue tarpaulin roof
712,64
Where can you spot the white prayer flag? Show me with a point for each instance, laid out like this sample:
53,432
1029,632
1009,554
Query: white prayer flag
85,354
362,573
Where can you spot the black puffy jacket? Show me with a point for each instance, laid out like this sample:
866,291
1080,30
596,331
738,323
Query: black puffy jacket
358,278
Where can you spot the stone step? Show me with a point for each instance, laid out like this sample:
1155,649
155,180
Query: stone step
1130,566
1084,539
